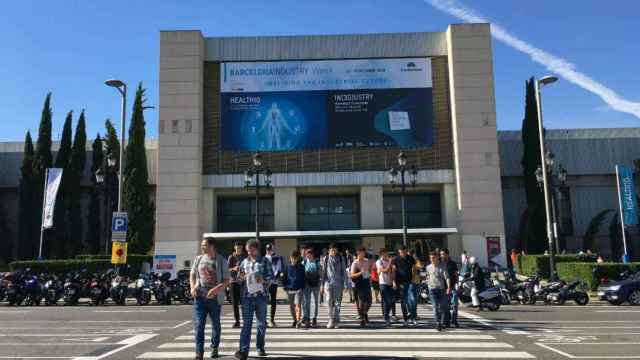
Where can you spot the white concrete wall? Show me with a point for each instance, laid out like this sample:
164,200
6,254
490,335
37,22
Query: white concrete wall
371,207
179,200
477,168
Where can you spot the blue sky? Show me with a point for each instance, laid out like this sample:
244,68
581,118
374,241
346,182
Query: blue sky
71,49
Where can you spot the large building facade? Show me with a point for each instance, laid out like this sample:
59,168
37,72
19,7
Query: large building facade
224,99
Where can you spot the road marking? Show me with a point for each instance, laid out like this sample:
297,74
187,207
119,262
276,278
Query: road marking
556,350
394,354
129,342
513,331
182,324
14,311
618,311
359,344
95,340
567,355
58,344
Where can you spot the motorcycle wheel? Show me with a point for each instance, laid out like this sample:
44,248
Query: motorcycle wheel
581,299
493,306
559,302
506,299
615,302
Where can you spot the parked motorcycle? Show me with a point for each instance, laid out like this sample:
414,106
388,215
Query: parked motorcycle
73,286
162,288
53,289
569,292
541,292
119,289
490,298
3,287
181,288
99,288
15,289
143,289
32,289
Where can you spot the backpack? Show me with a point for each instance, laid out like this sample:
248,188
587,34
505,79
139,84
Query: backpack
312,278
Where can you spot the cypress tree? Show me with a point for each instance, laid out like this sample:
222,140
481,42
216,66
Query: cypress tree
58,244
6,242
27,214
615,238
41,161
94,228
137,202
112,149
76,172
533,236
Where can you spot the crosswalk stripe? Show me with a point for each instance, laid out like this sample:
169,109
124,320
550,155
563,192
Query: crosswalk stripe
341,331
313,345
367,336
337,354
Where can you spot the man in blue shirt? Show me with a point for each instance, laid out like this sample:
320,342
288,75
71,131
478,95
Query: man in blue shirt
255,273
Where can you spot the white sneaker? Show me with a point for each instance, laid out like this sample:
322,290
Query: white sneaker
414,322
336,325
330,325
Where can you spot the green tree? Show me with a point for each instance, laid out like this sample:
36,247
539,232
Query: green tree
76,172
615,237
6,240
589,237
94,227
137,202
533,236
58,242
112,150
41,161
27,213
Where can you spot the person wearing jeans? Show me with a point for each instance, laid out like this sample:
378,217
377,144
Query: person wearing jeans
208,278
385,272
439,288
311,288
360,273
451,309
255,273
277,267
403,268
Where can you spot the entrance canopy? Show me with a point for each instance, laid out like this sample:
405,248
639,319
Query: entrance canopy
331,233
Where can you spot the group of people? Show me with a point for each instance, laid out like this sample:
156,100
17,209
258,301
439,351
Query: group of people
253,282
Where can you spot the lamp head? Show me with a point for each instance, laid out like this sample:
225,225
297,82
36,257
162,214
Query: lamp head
546,80
114,83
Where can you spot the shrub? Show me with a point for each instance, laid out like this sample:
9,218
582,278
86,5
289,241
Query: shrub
533,264
590,273
91,263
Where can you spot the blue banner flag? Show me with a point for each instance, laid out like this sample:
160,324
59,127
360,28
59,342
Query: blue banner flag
627,194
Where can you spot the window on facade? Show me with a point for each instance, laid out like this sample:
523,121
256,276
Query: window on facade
237,215
328,213
423,211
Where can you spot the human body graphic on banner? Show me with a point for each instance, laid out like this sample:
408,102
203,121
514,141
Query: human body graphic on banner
292,105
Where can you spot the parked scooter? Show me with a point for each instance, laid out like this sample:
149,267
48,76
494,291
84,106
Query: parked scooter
15,288
99,288
53,289
3,287
181,288
567,293
32,289
162,289
541,292
490,298
73,286
143,289
119,289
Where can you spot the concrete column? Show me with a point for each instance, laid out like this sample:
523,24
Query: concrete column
285,246
285,204
373,243
473,115
371,207
179,180
450,217
209,216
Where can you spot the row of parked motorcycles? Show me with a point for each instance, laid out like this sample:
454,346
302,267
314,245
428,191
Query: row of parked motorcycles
530,290
25,287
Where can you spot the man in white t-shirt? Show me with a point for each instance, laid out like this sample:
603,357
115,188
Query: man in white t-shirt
385,278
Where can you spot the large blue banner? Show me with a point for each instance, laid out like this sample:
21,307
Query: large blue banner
627,194
293,105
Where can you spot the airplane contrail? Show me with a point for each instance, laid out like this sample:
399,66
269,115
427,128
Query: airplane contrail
553,63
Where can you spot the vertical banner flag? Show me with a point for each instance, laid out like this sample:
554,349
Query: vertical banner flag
627,194
54,176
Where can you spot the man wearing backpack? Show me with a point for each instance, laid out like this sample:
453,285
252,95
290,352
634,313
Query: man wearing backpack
208,278
311,287
333,280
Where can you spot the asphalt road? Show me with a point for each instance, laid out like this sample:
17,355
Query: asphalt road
165,332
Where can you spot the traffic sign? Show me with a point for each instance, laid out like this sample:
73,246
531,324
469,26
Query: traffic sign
119,226
118,252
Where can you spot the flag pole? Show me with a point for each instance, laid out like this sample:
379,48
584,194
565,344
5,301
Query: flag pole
624,236
44,203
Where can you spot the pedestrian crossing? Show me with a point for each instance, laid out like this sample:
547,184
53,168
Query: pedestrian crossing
469,341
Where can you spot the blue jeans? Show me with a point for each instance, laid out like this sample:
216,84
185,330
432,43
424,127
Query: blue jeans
250,305
407,302
388,295
413,301
201,308
310,293
438,303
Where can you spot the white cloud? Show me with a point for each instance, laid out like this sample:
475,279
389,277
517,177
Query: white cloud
553,63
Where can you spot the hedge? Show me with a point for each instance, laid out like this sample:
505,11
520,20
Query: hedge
534,264
89,264
590,273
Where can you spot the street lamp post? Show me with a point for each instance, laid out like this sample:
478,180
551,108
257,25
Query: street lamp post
545,80
402,169
556,180
122,89
256,169
103,178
